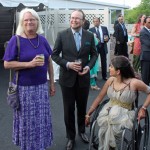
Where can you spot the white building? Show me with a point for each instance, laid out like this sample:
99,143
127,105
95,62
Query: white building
56,13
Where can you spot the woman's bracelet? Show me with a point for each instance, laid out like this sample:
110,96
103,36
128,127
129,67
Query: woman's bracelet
144,107
87,116
93,108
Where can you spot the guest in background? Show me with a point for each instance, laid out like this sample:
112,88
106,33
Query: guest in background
116,22
95,69
121,37
145,51
76,45
86,24
32,126
103,36
137,44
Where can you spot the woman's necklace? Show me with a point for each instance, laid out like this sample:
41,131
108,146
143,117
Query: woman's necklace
32,43
122,86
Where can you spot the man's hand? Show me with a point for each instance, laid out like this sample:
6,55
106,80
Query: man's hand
118,42
85,70
75,66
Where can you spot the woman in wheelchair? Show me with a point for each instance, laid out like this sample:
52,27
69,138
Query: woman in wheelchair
117,114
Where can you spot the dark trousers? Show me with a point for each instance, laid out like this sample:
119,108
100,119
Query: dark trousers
145,71
115,50
122,49
72,95
103,56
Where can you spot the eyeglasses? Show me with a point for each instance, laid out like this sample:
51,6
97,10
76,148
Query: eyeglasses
30,20
76,18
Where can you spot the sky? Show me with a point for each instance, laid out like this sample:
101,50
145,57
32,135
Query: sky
131,3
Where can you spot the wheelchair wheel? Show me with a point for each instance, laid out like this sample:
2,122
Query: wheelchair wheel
126,141
137,139
98,109
140,132
93,143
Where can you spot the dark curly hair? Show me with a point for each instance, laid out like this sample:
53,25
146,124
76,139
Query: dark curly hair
122,63
86,24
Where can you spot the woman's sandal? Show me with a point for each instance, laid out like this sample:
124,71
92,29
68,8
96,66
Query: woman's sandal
95,88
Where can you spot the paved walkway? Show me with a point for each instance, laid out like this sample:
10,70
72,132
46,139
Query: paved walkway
57,116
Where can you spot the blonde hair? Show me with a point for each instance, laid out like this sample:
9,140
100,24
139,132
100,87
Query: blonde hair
20,28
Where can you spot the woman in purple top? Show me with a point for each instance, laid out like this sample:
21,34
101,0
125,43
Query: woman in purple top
32,127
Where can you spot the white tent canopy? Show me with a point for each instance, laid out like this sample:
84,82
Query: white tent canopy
28,3
66,4
83,4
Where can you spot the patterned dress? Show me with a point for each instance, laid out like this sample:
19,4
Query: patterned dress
32,127
115,116
96,68
137,49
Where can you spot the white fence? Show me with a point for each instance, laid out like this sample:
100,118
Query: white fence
54,21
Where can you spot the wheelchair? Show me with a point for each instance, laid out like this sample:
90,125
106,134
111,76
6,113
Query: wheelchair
135,139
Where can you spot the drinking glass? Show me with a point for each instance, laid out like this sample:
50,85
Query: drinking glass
79,62
40,57
105,37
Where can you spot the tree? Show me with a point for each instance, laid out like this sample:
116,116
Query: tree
131,15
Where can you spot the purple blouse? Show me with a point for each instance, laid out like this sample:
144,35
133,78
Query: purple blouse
29,76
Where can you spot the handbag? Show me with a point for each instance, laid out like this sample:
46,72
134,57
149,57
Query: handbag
12,92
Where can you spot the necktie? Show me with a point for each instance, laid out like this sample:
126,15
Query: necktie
77,40
124,29
98,33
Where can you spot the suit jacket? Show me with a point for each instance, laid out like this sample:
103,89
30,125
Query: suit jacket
119,34
145,44
116,22
105,32
65,45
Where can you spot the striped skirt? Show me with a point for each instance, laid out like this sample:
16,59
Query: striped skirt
32,127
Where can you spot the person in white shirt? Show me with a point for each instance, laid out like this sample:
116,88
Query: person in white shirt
103,36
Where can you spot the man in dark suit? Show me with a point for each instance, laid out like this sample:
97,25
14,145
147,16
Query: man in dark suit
103,36
121,38
145,51
74,44
116,22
